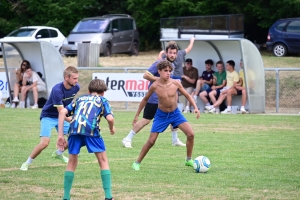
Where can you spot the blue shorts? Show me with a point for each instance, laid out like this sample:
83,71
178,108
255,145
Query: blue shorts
93,144
163,119
205,87
48,123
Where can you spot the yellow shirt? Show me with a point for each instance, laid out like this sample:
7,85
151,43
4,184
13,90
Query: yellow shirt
241,75
231,77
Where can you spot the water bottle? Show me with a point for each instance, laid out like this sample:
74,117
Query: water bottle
28,102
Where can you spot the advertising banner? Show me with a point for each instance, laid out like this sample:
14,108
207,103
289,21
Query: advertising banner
131,87
4,85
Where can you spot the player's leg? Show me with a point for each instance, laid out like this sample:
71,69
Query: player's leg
188,131
218,102
58,154
148,115
47,124
189,90
197,89
22,96
76,142
160,124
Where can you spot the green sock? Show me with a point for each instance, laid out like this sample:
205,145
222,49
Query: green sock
106,181
69,176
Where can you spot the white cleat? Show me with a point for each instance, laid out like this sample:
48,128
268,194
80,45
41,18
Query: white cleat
126,143
178,143
226,111
243,111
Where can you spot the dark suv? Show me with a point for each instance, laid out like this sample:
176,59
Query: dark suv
115,33
284,37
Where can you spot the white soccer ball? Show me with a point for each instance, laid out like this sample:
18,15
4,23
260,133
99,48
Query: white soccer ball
201,164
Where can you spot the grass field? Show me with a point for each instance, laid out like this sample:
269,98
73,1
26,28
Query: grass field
252,156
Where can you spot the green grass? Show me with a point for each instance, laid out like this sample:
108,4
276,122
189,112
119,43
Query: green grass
252,156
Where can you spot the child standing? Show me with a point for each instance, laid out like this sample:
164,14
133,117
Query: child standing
167,112
84,130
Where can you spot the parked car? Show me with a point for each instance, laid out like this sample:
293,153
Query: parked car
41,33
115,33
284,37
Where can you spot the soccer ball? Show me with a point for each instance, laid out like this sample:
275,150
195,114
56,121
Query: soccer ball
201,164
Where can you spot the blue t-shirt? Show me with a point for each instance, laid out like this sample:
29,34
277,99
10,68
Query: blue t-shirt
153,71
59,96
87,111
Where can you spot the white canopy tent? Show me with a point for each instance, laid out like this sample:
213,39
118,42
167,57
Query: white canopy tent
230,49
43,57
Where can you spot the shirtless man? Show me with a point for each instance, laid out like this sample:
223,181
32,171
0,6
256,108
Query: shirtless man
167,112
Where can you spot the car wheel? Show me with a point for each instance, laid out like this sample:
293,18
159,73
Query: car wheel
107,50
279,50
62,52
135,49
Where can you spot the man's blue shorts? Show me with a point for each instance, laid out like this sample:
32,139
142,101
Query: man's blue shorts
48,123
93,144
163,119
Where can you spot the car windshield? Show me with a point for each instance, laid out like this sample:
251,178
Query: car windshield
24,32
91,26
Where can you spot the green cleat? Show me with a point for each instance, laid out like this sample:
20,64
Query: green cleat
60,157
189,163
24,166
135,166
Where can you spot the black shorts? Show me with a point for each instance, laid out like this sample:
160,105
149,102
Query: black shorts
238,92
21,83
150,110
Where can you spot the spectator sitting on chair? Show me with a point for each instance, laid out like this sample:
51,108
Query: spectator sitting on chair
205,81
36,85
219,81
188,80
239,89
19,76
232,78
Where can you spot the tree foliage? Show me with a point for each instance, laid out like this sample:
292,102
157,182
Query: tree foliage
64,14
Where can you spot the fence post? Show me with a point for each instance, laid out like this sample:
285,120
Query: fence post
277,90
88,55
126,103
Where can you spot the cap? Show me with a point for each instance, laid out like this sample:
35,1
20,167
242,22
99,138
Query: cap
189,60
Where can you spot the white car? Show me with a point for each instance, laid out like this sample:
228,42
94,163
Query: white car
41,33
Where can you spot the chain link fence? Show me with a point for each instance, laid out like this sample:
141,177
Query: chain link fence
282,87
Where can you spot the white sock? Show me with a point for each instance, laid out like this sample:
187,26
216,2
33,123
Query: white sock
187,108
217,110
228,107
208,104
59,152
174,136
29,160
195,97
242,107
130,135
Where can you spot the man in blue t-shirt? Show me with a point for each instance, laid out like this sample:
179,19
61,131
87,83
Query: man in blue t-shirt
150,109
61,95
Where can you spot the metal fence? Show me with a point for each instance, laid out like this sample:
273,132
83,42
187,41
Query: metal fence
282,87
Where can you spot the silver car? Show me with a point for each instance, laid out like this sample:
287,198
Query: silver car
116,33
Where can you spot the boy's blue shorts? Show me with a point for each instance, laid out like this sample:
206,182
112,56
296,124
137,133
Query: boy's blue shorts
93,144
48,123
163,119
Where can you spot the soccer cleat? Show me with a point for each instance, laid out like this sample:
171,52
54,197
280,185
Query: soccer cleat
109,199
136,166
208,107
24,166
243,110
60,157
178,143
212,110
126,143
189,163
35,106
226,111
185,111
